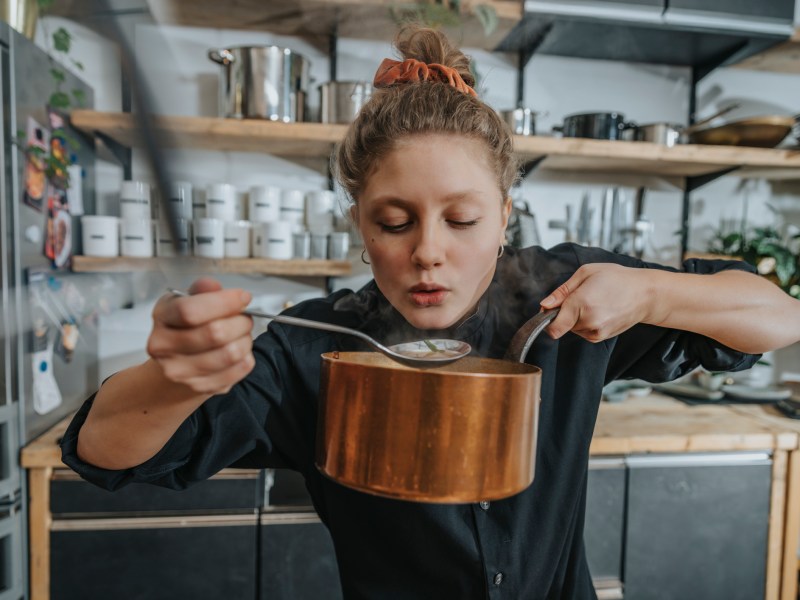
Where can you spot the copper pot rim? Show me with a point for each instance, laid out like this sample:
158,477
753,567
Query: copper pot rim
352,358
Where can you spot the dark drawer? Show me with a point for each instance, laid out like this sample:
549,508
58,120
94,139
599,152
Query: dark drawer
605,518
298,561
202,558
230,490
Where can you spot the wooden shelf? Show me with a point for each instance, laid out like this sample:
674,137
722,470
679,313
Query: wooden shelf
262,266
310,19
783,58
316,19
316,141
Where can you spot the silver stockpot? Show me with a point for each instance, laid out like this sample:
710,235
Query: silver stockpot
522,121
262,82
340,101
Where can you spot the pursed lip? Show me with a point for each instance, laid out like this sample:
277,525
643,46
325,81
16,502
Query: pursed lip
427,287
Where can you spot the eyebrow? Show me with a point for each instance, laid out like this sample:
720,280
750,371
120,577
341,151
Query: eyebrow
402,203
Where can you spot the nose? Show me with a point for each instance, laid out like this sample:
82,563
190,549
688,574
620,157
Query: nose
428,248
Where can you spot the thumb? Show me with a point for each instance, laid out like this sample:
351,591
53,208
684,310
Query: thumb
203,285
557,297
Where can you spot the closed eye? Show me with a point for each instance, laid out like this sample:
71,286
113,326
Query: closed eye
394,228
463,224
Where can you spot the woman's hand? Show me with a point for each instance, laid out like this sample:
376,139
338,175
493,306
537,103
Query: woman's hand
203,342
600,301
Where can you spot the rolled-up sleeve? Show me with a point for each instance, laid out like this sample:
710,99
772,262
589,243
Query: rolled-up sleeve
657,354
252,426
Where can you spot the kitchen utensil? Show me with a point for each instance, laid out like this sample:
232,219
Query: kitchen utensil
340,101
667,134
420,354
521,120
759,132
598,126
264,82
465,432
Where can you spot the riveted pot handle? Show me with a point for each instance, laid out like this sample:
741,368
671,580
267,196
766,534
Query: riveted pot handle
222,56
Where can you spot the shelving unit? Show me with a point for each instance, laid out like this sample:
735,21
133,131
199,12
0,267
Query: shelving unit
316,140
261,266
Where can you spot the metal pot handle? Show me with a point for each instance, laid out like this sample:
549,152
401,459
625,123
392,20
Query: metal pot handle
222,56
523,340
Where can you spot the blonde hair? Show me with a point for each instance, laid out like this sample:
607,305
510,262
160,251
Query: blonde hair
427,107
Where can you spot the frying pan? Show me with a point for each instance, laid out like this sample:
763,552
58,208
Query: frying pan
759,132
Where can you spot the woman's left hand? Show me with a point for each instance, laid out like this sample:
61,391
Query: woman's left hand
600,301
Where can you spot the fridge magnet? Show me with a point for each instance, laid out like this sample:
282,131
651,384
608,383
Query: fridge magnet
36,146
46,395
67,340
58,243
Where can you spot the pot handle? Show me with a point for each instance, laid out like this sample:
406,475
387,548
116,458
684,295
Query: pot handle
523,340
222,56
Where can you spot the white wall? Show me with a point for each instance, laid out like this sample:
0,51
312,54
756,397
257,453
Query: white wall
185,83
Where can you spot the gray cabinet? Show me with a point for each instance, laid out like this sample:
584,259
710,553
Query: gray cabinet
697,526
605,519
758,16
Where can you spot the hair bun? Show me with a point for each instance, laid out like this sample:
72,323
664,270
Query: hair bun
431,46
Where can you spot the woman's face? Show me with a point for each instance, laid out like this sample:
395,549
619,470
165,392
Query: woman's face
433,220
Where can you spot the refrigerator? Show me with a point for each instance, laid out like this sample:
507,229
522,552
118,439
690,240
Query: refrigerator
49,342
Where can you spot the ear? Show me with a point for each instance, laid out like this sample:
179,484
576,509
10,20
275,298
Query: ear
354,214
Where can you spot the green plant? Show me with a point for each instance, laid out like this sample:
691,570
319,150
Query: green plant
767,251
444,13
61,41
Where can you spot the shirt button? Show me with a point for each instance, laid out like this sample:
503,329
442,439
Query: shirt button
498,578
484,504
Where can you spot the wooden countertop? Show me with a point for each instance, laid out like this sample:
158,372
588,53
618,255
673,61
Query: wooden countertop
655,423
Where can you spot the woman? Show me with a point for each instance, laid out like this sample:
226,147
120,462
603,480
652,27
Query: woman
429,167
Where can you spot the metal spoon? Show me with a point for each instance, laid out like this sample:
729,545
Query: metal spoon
422,353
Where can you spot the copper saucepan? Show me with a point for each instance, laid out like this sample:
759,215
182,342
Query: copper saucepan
461,433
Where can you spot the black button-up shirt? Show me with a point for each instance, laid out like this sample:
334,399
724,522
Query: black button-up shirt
527,546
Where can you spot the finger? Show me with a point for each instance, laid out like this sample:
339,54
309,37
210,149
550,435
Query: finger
201,308
186,368
203,285
567,317
557,297
222,381
168,341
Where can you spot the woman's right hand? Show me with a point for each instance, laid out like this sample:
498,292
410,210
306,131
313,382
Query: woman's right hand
203,341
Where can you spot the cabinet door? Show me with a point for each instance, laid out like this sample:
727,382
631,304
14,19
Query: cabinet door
773,9
697,526
772,18
605,515
297,558
239,490
202,558
626,10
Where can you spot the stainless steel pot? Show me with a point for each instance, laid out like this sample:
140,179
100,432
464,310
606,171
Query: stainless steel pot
262,82
667,134
340,101
598,126
521,120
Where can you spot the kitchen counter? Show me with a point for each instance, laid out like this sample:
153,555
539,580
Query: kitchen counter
651,424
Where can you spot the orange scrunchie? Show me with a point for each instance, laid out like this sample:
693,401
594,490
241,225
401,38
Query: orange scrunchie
411,70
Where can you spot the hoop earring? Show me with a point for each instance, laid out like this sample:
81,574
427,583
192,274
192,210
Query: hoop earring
364,260
501,252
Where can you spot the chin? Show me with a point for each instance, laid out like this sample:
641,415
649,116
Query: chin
430,318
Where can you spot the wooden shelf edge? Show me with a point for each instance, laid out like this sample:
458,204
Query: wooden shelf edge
263,266
317,140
